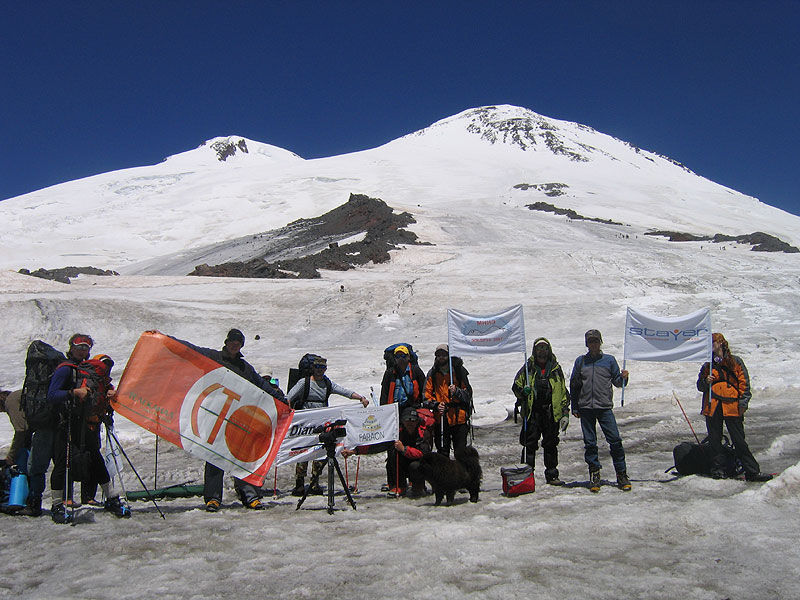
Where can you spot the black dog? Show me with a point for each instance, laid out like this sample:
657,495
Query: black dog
446,475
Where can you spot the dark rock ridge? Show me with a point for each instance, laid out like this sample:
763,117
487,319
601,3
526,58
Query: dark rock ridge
227,148
383,230
568,212
760,241
64,274
524,131
550,189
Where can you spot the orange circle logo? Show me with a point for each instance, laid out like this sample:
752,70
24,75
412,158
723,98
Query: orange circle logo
248,433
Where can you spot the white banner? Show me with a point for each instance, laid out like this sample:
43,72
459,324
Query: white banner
668,339
499,333
365,426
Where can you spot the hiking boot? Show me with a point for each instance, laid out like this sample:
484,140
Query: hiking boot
59,514
717,475
94,503
623,482
385,487
117,508
555,481
33,508
315,490
299,488
70,503
396,492
254,504
594,481
760,477
212,506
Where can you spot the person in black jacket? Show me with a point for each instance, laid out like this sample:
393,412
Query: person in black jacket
231,357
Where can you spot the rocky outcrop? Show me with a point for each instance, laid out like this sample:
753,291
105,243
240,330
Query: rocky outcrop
382,230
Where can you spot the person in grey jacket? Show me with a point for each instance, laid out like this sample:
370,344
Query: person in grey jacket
590,386
313,391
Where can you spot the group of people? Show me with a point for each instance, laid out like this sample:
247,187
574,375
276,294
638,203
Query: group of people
78,400
435,411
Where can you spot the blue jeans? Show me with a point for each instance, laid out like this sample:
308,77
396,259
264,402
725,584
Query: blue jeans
604,416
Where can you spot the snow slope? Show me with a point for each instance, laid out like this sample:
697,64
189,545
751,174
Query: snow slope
689,538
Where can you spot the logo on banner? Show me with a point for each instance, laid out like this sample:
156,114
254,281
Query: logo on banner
371,430
222,418
665,334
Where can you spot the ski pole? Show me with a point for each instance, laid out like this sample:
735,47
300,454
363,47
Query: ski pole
135,472
67,466
674,395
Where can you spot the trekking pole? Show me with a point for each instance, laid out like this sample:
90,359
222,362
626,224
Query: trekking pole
135,472
67,465
155,468
674,395
275,483
358,465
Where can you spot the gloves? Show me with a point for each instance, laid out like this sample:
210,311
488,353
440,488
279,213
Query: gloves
564,423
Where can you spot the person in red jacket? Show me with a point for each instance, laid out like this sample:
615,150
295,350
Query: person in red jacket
416,440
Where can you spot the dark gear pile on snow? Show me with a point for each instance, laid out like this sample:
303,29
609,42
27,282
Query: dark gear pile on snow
696,459
40,363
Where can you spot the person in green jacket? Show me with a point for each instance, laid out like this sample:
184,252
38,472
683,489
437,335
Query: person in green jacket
544,402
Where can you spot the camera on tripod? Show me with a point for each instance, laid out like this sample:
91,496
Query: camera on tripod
330,432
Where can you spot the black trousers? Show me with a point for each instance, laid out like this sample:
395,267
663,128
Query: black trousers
91,442
452,435
540,425
213,480
735,427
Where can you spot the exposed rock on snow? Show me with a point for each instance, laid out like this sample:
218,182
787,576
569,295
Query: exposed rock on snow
382,228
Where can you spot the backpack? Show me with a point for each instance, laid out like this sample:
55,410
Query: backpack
305,368
40,363
388,355
695,459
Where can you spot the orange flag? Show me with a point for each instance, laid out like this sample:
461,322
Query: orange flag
199,405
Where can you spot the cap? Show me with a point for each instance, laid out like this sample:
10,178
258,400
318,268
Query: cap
593,334
409,414
401,350
443,348
234,335
320,362
81,339
541,341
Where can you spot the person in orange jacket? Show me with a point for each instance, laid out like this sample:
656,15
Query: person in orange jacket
726,395
454,398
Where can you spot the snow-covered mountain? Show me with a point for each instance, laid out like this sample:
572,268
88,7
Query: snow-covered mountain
502,157
467,181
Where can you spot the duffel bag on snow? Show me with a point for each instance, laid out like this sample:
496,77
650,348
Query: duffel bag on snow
517,480
695,459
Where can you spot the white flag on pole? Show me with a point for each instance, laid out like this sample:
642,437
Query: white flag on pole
498,333
668,339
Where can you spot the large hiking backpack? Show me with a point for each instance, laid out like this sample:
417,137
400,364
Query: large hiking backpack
388,355
695,459
304,370
40,363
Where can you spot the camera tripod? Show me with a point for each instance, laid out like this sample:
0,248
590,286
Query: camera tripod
332,463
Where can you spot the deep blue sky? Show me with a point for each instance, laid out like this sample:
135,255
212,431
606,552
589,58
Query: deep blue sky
90,87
